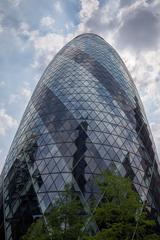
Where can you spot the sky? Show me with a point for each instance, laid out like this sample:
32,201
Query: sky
33,31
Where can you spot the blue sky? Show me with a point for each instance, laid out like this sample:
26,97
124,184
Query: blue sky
32,31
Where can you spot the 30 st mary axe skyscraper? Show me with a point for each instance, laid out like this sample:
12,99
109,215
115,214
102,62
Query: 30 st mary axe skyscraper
84,116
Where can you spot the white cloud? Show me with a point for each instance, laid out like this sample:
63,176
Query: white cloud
36,77
7,122
109,11
1,29
46,47
1,19
15,3
13,98
24,27
24,93
58,7
88,7
2,83
87,12
48,22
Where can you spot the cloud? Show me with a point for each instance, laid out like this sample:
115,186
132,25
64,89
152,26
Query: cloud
1,29
7,122
24,28
13,98
87,12
99,18
58,7
24,93
1,20
128,24
46,47
48,22
124,3
139,30
15,3
88,7
2,83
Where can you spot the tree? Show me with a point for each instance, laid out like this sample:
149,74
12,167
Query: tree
37,231
67,217
119,214
64,221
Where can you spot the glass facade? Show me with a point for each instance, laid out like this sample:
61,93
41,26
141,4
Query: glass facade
84,116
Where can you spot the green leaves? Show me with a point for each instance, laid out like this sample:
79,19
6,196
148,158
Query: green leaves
119,210
65,220
116,215
37,231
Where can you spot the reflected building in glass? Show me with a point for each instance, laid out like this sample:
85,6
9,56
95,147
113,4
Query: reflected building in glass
84,116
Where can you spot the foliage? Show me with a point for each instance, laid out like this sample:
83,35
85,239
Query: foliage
37,231
116,215
65,220
119,211
67,217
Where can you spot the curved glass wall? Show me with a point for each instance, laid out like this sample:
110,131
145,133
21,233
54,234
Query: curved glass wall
84,116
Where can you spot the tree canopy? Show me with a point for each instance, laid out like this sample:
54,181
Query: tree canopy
64,222
119,215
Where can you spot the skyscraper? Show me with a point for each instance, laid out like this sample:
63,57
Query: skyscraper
84,116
